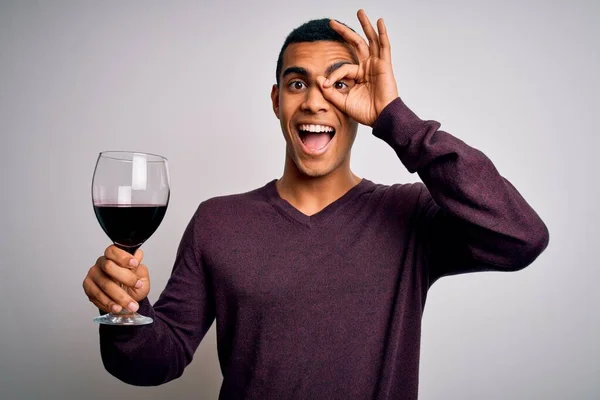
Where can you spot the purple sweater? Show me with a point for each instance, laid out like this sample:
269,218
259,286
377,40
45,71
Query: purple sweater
329,306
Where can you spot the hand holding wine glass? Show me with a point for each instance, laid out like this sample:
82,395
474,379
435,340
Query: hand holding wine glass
114,284
130,193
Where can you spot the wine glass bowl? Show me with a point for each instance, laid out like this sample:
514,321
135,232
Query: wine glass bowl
130,195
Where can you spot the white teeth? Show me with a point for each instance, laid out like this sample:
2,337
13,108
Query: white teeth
315,128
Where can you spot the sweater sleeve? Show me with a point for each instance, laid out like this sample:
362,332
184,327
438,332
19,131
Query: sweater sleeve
153,354
473,219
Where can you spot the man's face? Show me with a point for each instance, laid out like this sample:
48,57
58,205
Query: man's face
318,135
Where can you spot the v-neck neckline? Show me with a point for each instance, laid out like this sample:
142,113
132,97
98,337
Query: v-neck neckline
310,220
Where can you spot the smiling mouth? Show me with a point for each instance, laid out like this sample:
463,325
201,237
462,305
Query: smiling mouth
315,137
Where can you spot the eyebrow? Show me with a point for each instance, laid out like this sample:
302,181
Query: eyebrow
303,72
335,66
295,70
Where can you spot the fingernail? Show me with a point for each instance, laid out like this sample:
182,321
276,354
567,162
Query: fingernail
326,83
138,284
134,262
116,308
132,306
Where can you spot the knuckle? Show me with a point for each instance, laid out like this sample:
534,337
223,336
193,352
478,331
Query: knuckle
104,285
112,252
104,307
106,266
91,275
98,297
111,268
124,300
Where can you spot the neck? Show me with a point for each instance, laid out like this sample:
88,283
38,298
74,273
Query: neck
312,194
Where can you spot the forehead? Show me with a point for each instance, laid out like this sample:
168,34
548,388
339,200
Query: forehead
317,56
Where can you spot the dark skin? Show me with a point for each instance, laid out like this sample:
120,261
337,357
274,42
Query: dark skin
326,84
299,100
335,85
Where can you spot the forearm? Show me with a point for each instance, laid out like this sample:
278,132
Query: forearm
146,355
497,225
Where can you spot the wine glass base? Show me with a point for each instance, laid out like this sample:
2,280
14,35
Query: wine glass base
123,319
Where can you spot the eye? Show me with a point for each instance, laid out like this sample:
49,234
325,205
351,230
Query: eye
339,85
296,85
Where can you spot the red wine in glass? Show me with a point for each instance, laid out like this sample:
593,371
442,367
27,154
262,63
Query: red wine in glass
129,225
130,194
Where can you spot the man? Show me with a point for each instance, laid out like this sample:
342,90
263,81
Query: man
318,280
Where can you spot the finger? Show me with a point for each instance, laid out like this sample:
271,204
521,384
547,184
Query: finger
119,274
142,288
112,290
352,38
369,32
346,71
102,308
99,299
384,41
121,257
139,255
334,96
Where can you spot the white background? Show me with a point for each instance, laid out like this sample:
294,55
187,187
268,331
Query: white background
517,79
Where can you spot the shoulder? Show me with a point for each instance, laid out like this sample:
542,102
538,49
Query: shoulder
407,192
402,199
220,221
231,201
226,207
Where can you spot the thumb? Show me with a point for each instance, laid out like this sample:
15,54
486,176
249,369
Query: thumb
332,95
143,276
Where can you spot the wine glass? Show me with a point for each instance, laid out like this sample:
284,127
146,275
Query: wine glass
130,193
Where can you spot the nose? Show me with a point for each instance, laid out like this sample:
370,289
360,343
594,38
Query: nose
314,101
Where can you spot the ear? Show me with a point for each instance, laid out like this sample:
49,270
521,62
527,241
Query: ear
275,99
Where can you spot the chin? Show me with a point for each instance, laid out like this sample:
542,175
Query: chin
315,171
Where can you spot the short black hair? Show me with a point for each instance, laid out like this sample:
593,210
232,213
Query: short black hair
311,31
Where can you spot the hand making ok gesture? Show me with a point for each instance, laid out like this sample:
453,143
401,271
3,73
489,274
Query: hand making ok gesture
375,85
